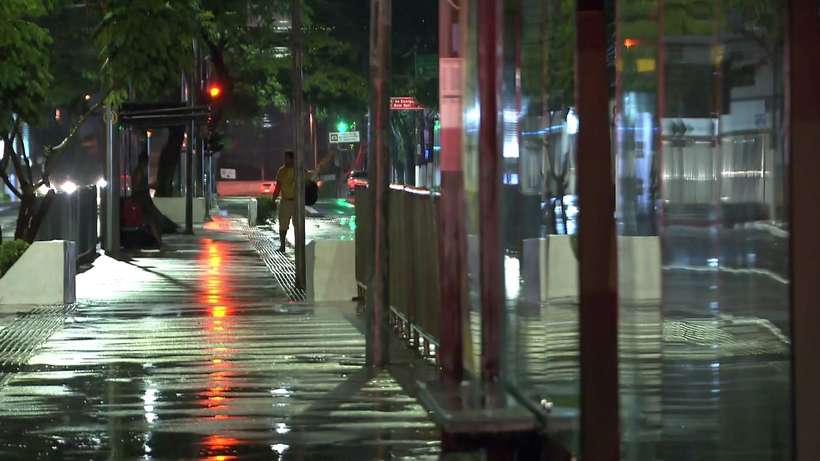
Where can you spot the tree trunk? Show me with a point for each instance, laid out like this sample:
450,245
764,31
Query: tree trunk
31,215
169,161
140,193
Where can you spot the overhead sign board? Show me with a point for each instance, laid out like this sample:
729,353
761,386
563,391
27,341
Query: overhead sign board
405,103
337,137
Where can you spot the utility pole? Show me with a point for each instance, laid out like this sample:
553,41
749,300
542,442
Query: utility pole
299,140
378,289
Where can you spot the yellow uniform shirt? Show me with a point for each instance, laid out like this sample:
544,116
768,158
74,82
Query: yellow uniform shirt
286,183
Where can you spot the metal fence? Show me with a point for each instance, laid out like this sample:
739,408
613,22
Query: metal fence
413,256
73,217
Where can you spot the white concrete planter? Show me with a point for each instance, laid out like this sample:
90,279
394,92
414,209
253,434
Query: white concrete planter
174,209
45,274
550,269
252,212
330,268
639,268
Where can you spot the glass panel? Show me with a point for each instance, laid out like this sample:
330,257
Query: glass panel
471,182
703,236
538,212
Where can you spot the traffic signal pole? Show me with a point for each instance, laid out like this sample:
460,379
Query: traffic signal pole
299,140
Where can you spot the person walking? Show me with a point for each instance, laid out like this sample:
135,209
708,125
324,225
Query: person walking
286,188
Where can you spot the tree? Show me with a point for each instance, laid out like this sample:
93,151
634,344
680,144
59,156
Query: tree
131,61
24,85
247,43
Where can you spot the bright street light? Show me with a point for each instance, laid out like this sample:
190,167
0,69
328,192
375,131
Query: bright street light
68,187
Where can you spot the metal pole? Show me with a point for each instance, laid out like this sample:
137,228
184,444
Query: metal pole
452,246
313,141
112,191
489,194
803,137
189,181
299,141
378,290
600,434
148,151
206,178
189,156
183,161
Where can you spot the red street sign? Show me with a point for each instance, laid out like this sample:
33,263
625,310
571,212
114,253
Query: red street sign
405,103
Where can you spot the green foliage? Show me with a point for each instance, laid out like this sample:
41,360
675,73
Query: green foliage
74,53
24,74
144,44
264,209
241,38
10,252
415,36
335,59
561,61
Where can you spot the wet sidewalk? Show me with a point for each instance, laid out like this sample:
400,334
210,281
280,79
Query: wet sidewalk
195,352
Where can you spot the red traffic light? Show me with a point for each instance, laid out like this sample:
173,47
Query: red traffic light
214,91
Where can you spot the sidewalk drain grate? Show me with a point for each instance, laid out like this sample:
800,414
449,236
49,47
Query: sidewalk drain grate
283,269
20,340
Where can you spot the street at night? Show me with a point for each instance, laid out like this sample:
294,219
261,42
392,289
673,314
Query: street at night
438,230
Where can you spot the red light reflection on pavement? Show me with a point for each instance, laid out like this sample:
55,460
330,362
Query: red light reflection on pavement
219,448
218,223
216,397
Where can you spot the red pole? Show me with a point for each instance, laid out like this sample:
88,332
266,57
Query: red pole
451,242
802,141
489,194
600,434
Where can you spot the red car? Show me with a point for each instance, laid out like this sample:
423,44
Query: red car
356,178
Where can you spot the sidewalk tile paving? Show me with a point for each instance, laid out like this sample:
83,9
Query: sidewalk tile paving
195,352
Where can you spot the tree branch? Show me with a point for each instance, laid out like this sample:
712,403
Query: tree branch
75,128
49,150
13,156
4,165
23,153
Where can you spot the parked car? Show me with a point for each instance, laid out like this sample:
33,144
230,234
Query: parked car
356,178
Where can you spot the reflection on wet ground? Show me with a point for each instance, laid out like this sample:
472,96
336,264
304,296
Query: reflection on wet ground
190,353
690,389
704,372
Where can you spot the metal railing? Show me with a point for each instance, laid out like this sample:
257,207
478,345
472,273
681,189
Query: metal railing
413,261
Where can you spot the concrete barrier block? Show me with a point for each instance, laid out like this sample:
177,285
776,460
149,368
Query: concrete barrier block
639,268
174,209
533,270
330,270
252,212
45,274
562,269
549,269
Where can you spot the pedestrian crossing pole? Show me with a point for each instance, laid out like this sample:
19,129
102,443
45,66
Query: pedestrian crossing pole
299,140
